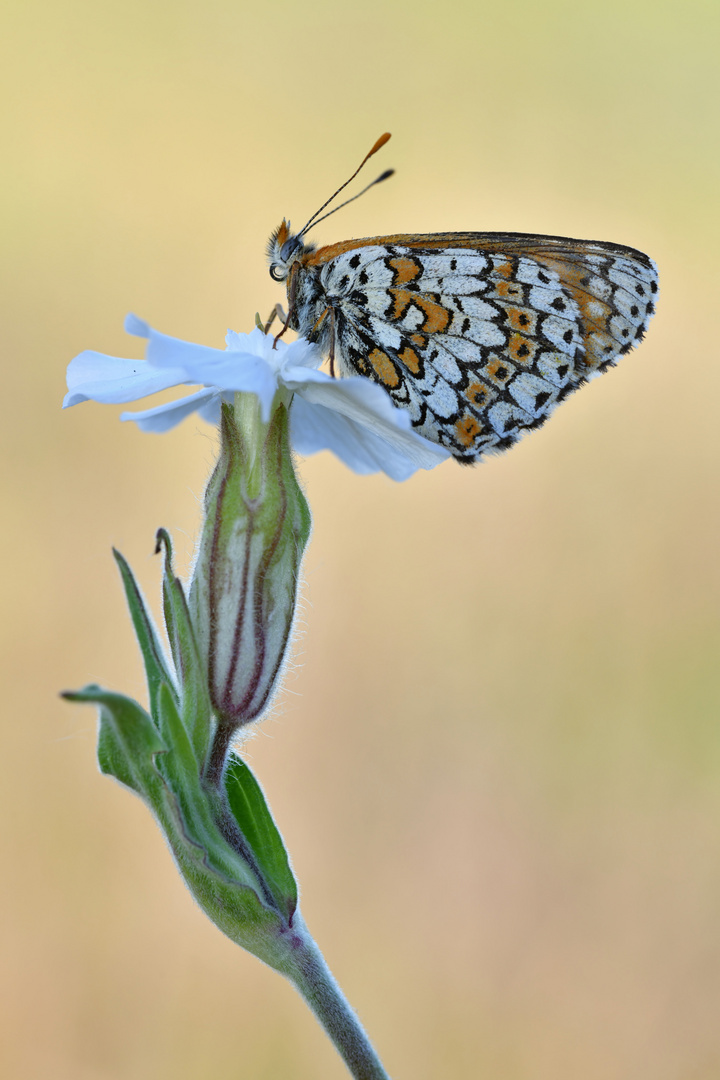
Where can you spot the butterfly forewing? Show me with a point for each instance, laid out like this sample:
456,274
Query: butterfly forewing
478,335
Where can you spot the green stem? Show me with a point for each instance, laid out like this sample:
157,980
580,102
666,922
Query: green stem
313,979
217,759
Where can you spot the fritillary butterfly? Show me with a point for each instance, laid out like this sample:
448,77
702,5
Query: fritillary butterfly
478,335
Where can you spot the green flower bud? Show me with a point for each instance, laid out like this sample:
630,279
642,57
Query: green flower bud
244,587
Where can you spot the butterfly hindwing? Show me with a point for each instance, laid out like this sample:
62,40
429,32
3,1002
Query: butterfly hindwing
479,335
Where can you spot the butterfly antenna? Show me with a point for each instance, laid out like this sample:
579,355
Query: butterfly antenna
383,176
373,150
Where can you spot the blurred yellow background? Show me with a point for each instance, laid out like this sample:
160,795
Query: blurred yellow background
497,761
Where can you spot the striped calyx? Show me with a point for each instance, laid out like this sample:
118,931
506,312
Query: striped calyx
244,587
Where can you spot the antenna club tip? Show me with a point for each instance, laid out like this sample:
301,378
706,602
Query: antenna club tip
380,143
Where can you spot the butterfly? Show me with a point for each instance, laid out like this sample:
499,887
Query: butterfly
478,335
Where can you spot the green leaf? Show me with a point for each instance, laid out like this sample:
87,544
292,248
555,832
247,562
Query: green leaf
179,765
156,668
256,823
196,710
222,882
127,741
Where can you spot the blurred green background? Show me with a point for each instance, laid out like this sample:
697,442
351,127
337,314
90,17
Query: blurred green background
497,761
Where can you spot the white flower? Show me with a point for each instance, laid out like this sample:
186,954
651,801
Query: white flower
353,417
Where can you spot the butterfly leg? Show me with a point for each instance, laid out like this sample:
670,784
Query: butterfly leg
280,334
332,343
292,284
278,312
316,330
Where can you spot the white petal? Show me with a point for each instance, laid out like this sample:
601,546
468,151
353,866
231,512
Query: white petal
370,408
224,368
256,343
235,371
315,427
296,377
278,355
136,326
113,379
164,417
166,351
300,354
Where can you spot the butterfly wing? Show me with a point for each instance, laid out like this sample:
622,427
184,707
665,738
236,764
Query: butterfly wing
481,335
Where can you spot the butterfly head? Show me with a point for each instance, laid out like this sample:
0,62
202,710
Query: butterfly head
284,248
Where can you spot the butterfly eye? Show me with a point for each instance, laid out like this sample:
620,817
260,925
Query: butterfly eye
290,247
278,272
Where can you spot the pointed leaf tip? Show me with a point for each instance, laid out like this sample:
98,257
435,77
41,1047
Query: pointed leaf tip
156,667
162,540
88,693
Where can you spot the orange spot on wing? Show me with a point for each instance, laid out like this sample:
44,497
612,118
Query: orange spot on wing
402,300
521,349
506,290
384,368
436,316
498,370
467,430
521,319
410,359
478,394
502,266
405,270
